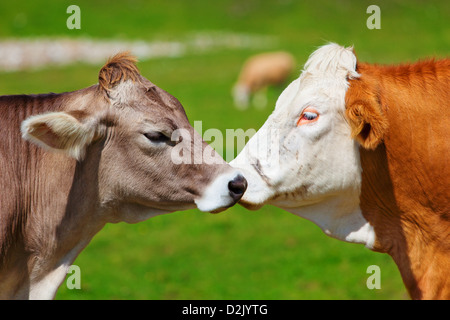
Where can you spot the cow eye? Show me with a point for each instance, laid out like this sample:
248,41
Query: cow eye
309,115
157,137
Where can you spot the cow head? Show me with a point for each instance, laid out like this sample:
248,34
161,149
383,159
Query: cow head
147,158
305,158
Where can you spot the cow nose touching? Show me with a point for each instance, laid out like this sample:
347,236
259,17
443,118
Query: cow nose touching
237,187
223,192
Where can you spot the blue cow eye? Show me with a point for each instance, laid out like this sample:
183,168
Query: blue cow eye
309,115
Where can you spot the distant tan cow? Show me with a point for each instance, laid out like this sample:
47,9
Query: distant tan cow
113,157
259,72
363,151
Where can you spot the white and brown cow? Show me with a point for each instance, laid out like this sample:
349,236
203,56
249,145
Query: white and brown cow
114,145
363,151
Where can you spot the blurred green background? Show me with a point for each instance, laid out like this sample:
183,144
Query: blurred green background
237,254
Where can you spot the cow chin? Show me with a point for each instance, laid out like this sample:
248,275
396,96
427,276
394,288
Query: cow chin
254,200
134,213
251,206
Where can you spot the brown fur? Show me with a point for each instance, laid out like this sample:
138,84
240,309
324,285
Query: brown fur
51,205
266,69
401,116
365,115
258,73
118,68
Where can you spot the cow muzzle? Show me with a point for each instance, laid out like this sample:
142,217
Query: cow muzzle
259,189
223,192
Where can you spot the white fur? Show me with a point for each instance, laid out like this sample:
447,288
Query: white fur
124,92
74,136
217,195
339,218
46,287
333,60
317,172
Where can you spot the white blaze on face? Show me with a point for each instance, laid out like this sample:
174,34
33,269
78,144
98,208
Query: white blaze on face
316,172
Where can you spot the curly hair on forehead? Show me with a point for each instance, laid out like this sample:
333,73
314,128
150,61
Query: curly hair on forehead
118,68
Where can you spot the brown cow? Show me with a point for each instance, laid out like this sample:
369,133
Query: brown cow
114,161
259,72
363,151
401,117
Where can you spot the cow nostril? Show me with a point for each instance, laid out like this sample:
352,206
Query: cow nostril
237,187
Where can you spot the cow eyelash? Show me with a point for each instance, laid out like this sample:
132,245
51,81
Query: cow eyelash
309,116
157,137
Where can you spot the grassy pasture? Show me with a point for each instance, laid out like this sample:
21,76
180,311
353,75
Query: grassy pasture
238,254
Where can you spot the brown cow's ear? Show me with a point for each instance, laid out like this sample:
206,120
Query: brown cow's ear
119,68
367,122
59,131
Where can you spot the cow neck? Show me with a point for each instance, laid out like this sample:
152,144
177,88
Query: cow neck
414,236
59,222
74,221
404,192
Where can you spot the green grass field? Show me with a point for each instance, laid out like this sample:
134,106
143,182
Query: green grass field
237,254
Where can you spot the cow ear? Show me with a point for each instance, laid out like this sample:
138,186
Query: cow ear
59,131
365,116
367,122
